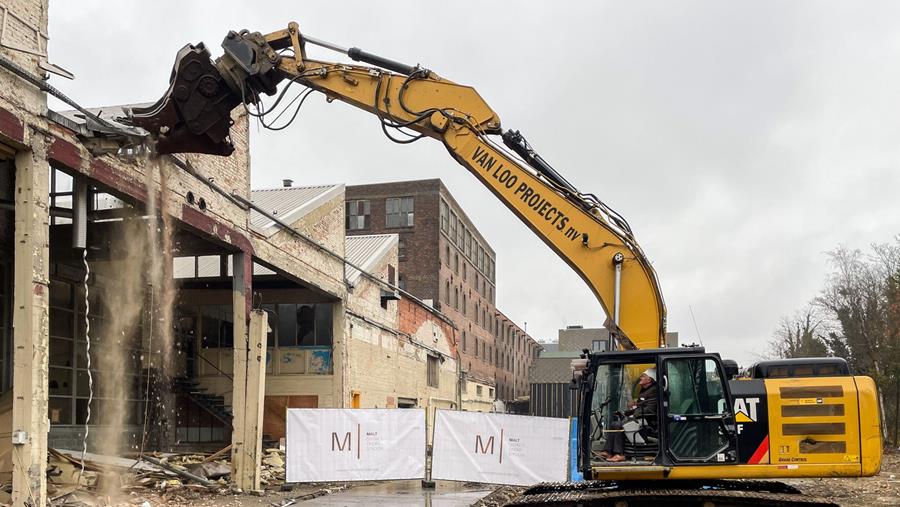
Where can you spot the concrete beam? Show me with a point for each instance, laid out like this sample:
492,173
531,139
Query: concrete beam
31,325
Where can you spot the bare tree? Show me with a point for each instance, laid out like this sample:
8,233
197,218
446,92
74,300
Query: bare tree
862,297
800,335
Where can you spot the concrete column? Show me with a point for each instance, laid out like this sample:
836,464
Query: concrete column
340,337
240,291
30,326
249,383
249,478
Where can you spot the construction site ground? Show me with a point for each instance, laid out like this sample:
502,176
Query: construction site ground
150,486
882,489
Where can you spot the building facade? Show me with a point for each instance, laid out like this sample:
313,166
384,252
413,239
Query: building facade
445,260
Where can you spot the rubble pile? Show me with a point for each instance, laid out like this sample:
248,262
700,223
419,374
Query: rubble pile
168,477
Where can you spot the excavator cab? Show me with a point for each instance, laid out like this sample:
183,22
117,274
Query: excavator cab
657,409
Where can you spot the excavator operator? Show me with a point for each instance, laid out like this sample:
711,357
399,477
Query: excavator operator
644,410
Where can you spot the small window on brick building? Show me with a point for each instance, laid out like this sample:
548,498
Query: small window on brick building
433,368
464,344
358,215
445,216
456,297
401,282
468,244
478,390
454,223
456,263
392,274
491,392
401,249
447,292
477,344
464,307
399,212
464,271
447,255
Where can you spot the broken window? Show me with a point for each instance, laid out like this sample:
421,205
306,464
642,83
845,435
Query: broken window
358,215
399,212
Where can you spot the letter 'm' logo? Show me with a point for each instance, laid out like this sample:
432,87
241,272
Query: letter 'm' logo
337,443
484,447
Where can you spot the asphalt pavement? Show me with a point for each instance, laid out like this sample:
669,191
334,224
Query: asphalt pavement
406,494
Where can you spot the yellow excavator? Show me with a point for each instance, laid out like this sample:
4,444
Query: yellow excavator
707,426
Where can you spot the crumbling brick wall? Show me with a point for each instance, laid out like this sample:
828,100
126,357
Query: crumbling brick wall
26,27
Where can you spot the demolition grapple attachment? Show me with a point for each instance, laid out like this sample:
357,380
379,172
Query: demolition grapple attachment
194,115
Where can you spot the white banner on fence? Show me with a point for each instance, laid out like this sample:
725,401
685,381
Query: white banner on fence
326,444
499,448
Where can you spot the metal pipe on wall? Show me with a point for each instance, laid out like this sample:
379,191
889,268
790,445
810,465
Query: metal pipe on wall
79,214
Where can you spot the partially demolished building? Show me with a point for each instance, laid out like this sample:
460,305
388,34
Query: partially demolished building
157,302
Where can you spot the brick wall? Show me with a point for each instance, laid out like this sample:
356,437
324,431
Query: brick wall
23,17
437,268
421,262
384,365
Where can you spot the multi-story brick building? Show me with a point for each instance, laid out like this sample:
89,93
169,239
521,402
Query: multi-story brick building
444,259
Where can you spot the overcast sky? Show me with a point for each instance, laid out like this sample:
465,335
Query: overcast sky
741,142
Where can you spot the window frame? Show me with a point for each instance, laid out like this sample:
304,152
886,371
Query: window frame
366,215
399,212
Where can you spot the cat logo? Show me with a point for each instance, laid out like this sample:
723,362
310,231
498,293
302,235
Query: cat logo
745,410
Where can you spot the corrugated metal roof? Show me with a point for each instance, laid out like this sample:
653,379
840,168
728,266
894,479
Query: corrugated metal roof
366,251
550,370
288,204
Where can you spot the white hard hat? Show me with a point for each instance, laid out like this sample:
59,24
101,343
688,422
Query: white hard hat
650,372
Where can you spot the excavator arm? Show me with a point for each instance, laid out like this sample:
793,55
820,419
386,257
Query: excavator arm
194,116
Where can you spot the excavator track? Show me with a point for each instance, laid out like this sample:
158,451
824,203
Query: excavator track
675,493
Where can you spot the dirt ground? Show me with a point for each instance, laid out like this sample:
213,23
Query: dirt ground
883,489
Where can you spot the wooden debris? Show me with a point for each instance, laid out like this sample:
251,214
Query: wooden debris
217,454
182,473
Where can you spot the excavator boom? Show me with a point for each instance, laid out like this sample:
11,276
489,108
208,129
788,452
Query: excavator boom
194,116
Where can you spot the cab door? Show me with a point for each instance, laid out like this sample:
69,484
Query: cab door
698,424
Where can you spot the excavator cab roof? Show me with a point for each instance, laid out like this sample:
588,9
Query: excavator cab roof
644,355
